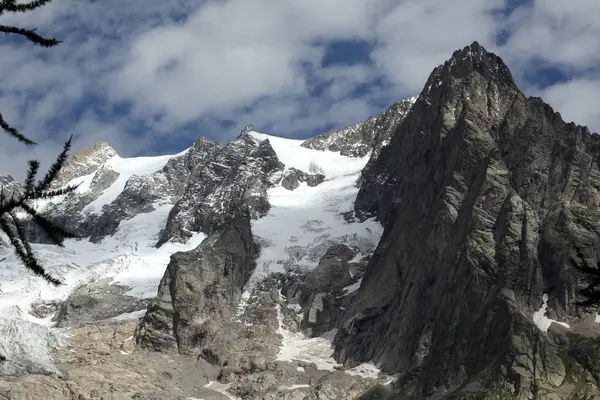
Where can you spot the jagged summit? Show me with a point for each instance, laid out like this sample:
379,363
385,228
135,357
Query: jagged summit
365,137
487,198
97,149
249,128
465,287
471,59
85,161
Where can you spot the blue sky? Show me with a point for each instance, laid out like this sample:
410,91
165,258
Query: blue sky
150,76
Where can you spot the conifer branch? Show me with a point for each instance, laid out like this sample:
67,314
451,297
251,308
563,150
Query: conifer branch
52,173
9,223
55,232
23,249
14,132
12,6
53,193
34,166
30,35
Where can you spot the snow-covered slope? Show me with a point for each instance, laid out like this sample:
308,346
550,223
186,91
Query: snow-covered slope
139,194
126,168
302,224
294,155
129,257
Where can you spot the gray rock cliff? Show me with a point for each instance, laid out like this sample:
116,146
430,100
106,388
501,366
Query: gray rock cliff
199,289
365,137
489,201
232,179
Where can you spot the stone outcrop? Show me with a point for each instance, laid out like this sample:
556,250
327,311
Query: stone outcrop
489,201
200,288
322,294
26,348
365,137
84,162
293,177
95,302
235,178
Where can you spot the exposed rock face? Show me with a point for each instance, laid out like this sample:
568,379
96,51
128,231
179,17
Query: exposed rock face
140,193
489,200
84,162
248,344
322,294
293,177
234,178
20,352
200,288
361,139
94,302
9,185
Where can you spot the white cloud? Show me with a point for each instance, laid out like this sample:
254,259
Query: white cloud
230,53
577,100
166,65
417,35
563,34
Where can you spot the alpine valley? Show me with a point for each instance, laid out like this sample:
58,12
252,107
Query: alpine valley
432,252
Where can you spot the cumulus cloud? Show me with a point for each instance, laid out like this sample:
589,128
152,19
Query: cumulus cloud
151,76
577,100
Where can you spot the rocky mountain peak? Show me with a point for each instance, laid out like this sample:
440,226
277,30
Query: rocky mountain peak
247,129
365,137
97,150
485,196
464,62
202,144
85,162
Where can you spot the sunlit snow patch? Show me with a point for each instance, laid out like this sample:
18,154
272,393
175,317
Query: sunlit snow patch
352,288
131,315
127,167
221,388
294,387
366,370
302,224
540,319
297,347
329,163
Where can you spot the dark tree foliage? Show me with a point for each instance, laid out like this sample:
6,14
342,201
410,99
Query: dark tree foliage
22,201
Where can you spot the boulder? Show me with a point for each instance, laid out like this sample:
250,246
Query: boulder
96,301
199,289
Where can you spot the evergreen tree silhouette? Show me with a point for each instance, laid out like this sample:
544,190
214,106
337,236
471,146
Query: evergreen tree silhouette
22,201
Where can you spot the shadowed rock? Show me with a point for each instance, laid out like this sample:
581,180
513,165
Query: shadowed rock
95,302
200,288
489,200
365,137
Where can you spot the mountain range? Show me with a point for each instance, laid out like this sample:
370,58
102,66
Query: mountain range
432,252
